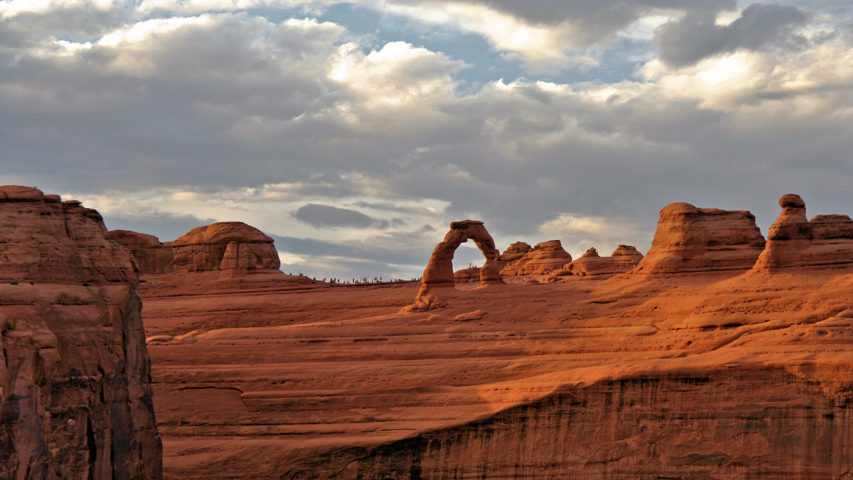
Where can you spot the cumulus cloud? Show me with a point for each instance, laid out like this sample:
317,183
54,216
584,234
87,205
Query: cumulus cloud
221,114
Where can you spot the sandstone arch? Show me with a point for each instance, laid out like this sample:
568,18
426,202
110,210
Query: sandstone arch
439,270
440,267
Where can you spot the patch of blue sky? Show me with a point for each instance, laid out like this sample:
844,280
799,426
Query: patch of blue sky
484,64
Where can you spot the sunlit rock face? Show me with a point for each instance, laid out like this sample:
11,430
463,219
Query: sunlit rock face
730,423
542,259
75,386
232,248
690,239
794,241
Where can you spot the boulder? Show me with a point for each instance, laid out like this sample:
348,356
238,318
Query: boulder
542,259
623,259
690,239
232,248
794,241
75,384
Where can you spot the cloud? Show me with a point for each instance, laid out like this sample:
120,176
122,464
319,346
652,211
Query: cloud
697,35
325,216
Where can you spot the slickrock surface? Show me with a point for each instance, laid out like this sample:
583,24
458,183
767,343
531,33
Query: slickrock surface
75,391
690,239
727,374
543,259
439,271
467,275
794,241
625,258
232,248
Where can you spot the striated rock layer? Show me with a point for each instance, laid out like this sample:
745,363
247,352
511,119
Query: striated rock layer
75,390
232,248
690,239
543,259
794,241
740,423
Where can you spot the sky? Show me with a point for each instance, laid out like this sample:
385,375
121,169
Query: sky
354,131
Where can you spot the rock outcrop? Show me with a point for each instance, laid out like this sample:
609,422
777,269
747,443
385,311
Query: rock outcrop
543,259
467,275
513,252
623,259
690,239
232,248
439,270
794,241
75,386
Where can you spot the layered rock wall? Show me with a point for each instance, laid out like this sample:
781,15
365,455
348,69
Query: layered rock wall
795,241
690,239
232,248
729,424
75,386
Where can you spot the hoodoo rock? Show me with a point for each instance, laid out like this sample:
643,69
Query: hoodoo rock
690,239
439,270
232,248
75,385
623,259
543,259
794,241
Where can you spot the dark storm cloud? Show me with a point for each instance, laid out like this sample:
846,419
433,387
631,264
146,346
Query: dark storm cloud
325,216
696,36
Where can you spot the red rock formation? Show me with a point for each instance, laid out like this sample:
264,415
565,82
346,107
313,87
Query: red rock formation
467,275
75,389
439,270
232,248
623,259
690,239
543,259
794,241
512,253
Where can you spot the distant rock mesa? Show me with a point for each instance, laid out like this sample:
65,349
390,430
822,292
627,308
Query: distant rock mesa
542,259
232,248
75,385
623,259
690,239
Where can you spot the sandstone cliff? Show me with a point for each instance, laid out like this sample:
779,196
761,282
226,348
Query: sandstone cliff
690,239
232,248
75,389
543,259
794,241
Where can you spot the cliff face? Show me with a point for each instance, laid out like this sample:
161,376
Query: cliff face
690,239
722,424
75,386
232,248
